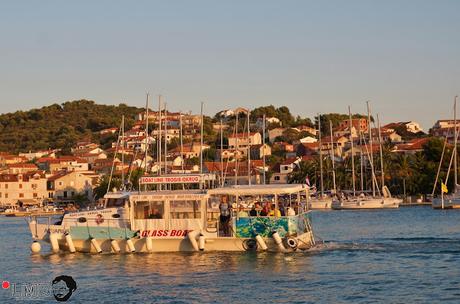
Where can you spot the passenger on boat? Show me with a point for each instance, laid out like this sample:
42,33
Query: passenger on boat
254,209
290,211
155,214
242,212
225,209
274,211
264,211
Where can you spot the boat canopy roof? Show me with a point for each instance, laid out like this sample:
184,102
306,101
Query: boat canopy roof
273,189
116,195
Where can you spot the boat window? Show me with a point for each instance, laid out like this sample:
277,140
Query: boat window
149,210
115,202
185,209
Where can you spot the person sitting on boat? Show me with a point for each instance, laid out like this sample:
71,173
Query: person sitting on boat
225,209
155,214
242,212
290,211
274,211
264,211
254,210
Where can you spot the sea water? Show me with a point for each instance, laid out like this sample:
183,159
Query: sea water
409,255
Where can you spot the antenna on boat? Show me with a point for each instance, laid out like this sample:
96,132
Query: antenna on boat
263,132
320,156
332,157
370,145
249,151
352,152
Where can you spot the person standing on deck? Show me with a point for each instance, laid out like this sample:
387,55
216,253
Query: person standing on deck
225,209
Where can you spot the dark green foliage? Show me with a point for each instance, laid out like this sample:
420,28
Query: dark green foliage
61,126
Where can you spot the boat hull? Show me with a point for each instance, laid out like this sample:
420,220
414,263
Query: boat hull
367,204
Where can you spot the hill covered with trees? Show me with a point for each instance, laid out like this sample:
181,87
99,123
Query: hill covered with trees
60,125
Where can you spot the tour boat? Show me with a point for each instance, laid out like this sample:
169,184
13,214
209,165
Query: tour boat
159,220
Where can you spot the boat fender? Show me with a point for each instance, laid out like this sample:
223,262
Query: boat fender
292,243
201,241
115,246
130,244
96,245
35,247
69,241
260,241
54,242
276,237
250,245
192,238
149,244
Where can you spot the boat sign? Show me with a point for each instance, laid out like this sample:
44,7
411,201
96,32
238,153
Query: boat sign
179,179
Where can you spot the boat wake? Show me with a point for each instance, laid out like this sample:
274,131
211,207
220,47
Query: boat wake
410,245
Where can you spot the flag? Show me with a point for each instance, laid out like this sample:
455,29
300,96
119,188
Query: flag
443,188
307,181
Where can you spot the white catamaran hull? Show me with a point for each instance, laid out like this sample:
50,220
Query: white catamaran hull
373,203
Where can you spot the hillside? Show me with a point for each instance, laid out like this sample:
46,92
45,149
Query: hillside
60,126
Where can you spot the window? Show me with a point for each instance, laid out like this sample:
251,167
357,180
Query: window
185,209
60,183
0,194
6,186
277,177
149,210
35,195
20,186
21,194
6,195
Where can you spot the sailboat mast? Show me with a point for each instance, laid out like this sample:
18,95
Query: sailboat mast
332,157
263,141
455,144
381,153
221,153
361,162
181,143
123,152
159,135
320,156
249,151
146,132
352,152
237,148
369,127
166,139
201,140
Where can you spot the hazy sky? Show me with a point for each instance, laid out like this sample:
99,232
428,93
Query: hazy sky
312,56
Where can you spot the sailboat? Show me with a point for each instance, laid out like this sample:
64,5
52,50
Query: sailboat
383,199
321,200
449,201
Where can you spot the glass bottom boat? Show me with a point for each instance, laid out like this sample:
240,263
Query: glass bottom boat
260,218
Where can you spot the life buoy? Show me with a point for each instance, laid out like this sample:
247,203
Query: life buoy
292,243
250,245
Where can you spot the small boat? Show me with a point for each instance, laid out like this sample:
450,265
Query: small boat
184,220
367,202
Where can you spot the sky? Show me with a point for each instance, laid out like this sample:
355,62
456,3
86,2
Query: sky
312,56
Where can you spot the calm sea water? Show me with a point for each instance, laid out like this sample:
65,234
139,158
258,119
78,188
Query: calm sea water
410,255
